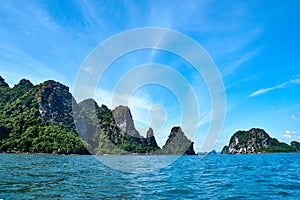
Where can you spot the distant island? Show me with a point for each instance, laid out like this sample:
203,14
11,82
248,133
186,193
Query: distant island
45,118
257,141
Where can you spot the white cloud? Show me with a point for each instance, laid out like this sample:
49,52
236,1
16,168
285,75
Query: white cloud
293,117
295,81
292,134
283,85
242,59
262,91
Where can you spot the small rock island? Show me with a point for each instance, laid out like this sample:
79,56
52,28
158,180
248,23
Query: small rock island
257,141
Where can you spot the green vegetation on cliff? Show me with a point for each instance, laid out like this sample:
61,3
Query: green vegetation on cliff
295,145
22,129
106,137
46,119
255,141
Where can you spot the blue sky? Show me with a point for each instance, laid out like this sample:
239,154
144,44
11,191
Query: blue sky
254,44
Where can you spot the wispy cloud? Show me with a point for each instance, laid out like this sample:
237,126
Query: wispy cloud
295,81
242,59
28,66
28,43
265,90
292,134
283,85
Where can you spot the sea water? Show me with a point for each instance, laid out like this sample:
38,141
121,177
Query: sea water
260,176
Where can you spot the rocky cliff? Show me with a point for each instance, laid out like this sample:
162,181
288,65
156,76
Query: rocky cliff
124,121
3,83
178,144
37,119
151,141
55,103
87,123
254,141
98,126
45,118
295,145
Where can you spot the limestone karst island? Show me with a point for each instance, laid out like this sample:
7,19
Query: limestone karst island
257,141
45,118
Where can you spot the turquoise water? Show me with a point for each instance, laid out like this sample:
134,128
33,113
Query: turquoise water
263,176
